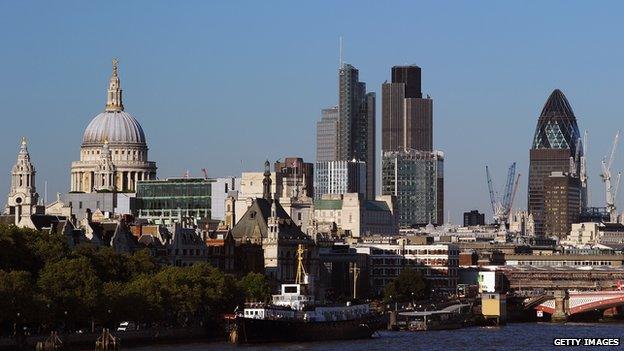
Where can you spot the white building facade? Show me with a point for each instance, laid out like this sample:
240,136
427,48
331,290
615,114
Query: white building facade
388,257
339,177
221,188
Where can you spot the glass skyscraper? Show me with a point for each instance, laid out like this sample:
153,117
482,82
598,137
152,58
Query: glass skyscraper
416,178
347,131
411,169
554,145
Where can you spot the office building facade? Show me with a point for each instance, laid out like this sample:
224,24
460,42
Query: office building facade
339,177
416,178
407,117
327,135
562,204
169,200
438,263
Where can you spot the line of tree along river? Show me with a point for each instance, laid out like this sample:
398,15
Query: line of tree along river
45,285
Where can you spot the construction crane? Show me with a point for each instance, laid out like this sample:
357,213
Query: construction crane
610,190
205,171
501,207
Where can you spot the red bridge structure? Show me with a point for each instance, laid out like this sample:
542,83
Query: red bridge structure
565,304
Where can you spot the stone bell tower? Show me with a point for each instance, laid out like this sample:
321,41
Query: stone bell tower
23,198
105,171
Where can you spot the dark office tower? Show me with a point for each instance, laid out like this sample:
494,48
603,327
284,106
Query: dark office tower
368,110
407,118
356,123
562,204
327,135
410,76
473,218
411,169
554,146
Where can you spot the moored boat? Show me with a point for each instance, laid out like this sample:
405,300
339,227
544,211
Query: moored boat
294,315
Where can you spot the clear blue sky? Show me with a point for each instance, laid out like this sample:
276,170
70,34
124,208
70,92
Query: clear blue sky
225,85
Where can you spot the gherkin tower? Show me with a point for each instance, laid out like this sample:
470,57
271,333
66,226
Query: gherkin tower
554,148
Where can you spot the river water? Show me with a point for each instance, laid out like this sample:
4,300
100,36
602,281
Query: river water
518,336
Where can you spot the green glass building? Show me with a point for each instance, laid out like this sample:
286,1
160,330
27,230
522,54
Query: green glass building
166,201
416,178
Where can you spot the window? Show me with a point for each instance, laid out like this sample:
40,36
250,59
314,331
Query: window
299,216
80,204
290,289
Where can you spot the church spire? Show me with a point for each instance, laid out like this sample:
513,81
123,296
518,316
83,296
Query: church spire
22,197
114,103
266,182
24,147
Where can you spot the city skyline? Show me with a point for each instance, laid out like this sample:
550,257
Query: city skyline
177,96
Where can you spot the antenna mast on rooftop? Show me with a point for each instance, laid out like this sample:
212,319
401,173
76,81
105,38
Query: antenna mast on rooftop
340,57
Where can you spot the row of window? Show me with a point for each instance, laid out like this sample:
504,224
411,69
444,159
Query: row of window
565,263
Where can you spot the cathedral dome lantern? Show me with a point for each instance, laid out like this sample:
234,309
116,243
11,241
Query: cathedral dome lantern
113,154
114,124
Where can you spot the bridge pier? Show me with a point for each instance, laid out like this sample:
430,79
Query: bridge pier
562,307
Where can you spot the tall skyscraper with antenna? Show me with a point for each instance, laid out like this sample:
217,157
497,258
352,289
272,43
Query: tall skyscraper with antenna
354,123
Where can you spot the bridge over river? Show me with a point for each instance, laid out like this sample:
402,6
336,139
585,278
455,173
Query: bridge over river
564,304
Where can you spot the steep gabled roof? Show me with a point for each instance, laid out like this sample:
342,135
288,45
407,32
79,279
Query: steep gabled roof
254,222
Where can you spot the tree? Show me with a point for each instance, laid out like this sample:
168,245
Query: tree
141,262
255,287
128,302
29,250
186,294
409,285
71,288
17,298
109,266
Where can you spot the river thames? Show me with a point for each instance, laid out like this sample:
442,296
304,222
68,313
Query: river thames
519,336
